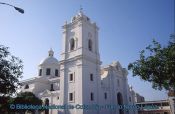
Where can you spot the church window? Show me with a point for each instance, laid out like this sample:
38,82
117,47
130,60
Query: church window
88,19
71,77
72,44
26,86
70,96
92,96
105,95
48,71
118,82
40,72
91,77
51,87
56,72
130,99
90,44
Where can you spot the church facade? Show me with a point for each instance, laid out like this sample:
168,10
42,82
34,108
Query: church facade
77,83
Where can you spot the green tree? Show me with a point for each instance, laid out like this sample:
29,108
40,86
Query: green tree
157,65
5,101
27,98
10,71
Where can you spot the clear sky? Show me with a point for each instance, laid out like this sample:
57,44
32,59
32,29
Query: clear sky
126,27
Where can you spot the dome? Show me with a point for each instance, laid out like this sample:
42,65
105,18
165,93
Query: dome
50,59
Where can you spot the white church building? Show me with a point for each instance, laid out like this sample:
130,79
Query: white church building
77,83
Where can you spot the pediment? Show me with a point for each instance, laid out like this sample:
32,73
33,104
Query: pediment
45,92
117,66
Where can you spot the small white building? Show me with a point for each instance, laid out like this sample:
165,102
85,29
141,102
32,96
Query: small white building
77,84
155,107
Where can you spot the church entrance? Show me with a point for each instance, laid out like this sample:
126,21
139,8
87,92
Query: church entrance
120,102
47,104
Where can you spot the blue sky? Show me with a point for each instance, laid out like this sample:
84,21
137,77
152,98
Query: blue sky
126,27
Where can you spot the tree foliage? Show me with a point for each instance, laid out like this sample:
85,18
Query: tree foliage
157,66
24,98
5,101
10,70
27,98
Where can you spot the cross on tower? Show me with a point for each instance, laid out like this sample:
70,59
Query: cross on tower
81,9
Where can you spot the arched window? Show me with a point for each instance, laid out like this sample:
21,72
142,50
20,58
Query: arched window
91,77
56,72
72,44
90,44
26,86
120,102
51,87
47,103
118,82
105,95
47,71
129,99
92,96
40,72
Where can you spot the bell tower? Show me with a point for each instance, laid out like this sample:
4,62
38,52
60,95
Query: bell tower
80,64
79,35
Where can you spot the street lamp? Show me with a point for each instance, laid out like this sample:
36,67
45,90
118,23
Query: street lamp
16,8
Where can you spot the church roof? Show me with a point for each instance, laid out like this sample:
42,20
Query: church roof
50,59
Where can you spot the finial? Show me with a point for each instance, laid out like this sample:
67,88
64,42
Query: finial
51,52
131,87
81,9
65,23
